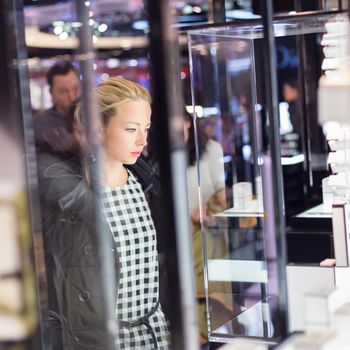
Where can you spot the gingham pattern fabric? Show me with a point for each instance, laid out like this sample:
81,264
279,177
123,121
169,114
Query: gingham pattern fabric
130,220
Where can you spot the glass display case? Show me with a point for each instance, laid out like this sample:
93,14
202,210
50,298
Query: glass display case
228,183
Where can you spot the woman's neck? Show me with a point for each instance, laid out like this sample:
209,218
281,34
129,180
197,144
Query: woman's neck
114,174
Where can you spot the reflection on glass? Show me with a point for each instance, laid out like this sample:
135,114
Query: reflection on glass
239,251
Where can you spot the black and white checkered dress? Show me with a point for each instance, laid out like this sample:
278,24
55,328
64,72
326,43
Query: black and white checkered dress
130,220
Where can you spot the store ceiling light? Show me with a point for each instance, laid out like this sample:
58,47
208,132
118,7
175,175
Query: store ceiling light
132,63
102,27
112,63
140,25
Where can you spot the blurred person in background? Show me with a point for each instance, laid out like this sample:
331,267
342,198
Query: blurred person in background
53,128
292,97
213,198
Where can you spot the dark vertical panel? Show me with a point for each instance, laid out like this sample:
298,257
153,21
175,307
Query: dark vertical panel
16,117
275,170
8,90
216,11
174,223
309,75
85,56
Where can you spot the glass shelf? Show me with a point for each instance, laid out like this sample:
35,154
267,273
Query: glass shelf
226,71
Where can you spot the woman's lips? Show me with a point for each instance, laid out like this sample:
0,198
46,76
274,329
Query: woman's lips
136,154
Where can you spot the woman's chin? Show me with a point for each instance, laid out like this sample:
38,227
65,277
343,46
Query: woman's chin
130,161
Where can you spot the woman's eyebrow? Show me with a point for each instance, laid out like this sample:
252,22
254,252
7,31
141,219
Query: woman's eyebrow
138,124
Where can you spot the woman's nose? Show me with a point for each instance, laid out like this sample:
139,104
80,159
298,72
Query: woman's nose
141,139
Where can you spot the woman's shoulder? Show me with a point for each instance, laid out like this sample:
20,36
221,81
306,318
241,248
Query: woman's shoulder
146,176
214,148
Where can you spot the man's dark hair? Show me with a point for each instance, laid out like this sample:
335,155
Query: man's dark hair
293,83
61,68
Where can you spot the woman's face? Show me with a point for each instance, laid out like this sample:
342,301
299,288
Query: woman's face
125,135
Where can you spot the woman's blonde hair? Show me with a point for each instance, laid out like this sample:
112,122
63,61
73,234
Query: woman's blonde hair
113,92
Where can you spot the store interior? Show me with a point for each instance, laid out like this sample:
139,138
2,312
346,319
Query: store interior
249,142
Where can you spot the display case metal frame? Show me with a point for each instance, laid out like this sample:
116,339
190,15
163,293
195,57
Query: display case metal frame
263,29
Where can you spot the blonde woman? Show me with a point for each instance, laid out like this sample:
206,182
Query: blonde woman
125,120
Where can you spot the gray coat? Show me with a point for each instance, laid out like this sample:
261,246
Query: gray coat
82,306
79,312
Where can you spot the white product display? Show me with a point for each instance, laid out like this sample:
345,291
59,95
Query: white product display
334,106
327,194
341,181
337,28
308,341
317,310
319,297
237,271
242,195
327,319
340,325
244,344
320,211
320,306
336,43
339,160
339,157
302,280
340,225
330,50
336,188
334,87
335,145
330,63
341,319
339,168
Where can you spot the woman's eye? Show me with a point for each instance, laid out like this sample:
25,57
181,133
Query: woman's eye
131,129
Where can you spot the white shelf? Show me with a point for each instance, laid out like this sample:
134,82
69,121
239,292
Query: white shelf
251,211
319,211
237,271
